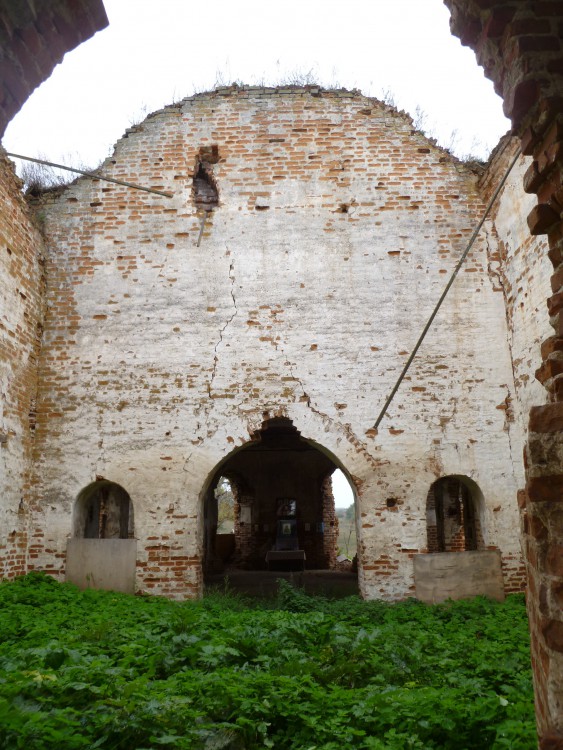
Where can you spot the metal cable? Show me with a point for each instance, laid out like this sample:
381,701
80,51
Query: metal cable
445,292
201,228
92,175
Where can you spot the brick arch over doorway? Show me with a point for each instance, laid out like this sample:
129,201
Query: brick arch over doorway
277,479
519,45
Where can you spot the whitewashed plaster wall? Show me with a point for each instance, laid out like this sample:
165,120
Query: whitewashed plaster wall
21,316
337,227
524,270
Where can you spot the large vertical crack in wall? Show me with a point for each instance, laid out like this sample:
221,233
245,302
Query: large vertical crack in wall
223,330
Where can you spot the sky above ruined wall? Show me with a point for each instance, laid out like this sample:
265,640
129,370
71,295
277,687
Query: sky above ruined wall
154,53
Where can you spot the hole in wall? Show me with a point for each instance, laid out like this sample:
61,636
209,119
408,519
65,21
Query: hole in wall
206,193
209,154
225,507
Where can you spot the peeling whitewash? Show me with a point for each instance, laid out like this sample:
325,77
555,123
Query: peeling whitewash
523,269
21,317
337,228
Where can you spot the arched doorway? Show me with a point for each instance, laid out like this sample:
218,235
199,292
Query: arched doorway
278,489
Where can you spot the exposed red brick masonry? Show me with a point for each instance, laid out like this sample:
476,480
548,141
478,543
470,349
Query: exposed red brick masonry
35,35
157,349
22,283
519,45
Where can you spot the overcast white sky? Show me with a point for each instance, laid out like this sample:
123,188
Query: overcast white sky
154,53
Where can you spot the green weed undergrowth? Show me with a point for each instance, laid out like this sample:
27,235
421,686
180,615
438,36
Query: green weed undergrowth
97,669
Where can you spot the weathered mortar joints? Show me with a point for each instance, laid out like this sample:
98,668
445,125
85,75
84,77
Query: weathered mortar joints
519,45
22,288
161,359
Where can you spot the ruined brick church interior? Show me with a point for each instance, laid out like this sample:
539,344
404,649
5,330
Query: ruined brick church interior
246,318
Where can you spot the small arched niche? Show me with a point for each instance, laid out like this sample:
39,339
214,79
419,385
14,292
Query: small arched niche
103,510
453,515
283,514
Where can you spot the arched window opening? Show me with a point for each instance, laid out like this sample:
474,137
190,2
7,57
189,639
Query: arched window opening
452,517
103,510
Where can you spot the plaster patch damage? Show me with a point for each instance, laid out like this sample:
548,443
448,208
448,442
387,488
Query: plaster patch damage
321,292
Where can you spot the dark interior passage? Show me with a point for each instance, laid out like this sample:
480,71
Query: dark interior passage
283,515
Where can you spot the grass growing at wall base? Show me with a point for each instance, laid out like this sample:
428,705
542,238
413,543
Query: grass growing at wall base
97,669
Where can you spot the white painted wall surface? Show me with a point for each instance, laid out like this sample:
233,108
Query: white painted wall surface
160,357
